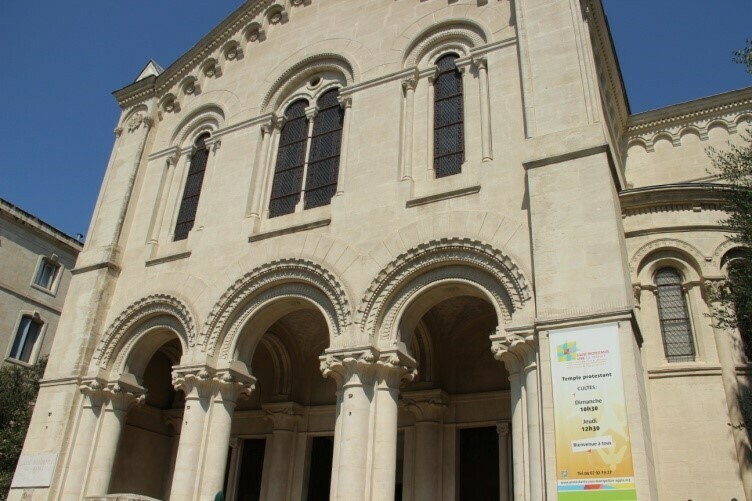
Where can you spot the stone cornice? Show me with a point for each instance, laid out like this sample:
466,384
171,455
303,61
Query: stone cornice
727,109
672,197
40,227
214,40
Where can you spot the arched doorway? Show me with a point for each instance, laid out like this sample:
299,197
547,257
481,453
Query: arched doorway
147,447
282,436
455,416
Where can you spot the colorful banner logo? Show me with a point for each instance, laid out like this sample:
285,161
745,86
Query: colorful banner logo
593,449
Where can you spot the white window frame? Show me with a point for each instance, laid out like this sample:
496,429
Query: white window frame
54,261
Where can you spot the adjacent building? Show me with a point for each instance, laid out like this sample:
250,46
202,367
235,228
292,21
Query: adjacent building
416,250
36,260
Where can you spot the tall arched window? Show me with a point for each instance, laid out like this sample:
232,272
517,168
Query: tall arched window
288,172
192,191
676,327
308,165
448,149
323,160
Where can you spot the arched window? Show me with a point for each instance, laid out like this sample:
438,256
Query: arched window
323,160
674,316
288,172
448,149
192,191
308,165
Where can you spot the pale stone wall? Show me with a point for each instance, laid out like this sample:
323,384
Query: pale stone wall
540,226
24,242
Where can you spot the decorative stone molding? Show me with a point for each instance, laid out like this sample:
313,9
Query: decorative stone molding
232,50
480,263
275,279
664,244
118,131
464,32
232,384
518,350
480,62
155,308
425,405
204,119
368,365
345,102
135,121
255,33
284,415
503,429
304,68
211,68
120,395
195,381
728,111
410,83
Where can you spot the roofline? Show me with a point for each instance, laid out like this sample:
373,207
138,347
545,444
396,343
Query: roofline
616,57
151,86
40,226
697,108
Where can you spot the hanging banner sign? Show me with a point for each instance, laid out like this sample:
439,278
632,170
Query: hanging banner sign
593,450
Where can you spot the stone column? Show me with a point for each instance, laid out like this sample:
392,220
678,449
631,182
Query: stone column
118,398
78,464
271,131
366,430
408,85
731,389
519,354
428,408
278,467
229,385
346,103
485,113
197,384
504,447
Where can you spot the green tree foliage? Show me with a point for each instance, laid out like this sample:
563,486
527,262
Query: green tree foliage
18,392
733,298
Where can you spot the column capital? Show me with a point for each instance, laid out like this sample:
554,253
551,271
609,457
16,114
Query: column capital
311,112
516,349
345,102
194,381
503,428
283,415
480,62
369,365
425,405
409,83
120,394
233,383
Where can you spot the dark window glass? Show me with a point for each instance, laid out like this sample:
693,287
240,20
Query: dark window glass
672,309
323,160
448,133
26,338
288,172
192,191
46,275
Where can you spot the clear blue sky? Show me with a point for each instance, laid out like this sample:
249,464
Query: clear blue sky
61,61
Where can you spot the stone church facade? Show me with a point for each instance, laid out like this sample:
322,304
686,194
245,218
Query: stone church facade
337,244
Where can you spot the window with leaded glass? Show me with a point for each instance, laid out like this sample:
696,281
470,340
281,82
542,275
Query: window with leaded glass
323,159
308,166
676,327
288,171
448,133
192,191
